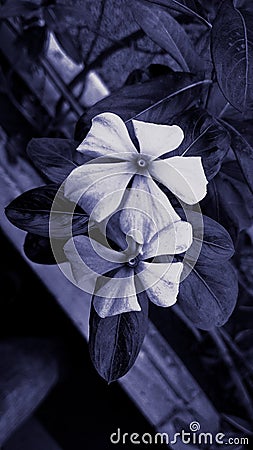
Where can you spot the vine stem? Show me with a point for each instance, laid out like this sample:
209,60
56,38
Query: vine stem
235,376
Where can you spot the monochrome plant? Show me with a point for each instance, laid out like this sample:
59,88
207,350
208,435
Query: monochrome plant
149,200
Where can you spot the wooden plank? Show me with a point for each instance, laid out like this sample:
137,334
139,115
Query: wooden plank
26,378
31,436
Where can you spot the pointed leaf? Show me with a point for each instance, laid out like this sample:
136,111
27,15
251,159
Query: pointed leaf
232,49
208,295
165,31
229,200
204,136
153,101
69,46
31,212
243,152
116,341
55,158
38,249
189,7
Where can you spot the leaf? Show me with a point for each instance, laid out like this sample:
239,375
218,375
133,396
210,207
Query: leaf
211,7
38,249
229,200
208,295
54,157
153,101
190,7
13,8
216,243
232,50
244,263
35,40
165,31
216,101
31,212
244,341
243,152
204,136
115,341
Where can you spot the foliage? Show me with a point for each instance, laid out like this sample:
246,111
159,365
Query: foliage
204,85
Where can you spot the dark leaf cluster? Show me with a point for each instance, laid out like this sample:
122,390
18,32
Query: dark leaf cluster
208,92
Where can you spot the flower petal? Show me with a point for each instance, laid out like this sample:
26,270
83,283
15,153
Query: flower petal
89,259
161,281
184,176
174,239
117,295
108,136
155,140
146,209
89,184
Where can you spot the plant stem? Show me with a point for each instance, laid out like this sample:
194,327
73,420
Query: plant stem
224,110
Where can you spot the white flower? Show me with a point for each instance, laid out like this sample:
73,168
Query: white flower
117,277
118,162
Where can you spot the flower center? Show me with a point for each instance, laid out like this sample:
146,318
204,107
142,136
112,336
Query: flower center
142,162
133,262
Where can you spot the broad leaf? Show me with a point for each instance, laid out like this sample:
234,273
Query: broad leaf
165,31
211,237
115,341
38,249
208,295
204,136
232,49
243,152
217,244
229,200
153,101
55,158
31,212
